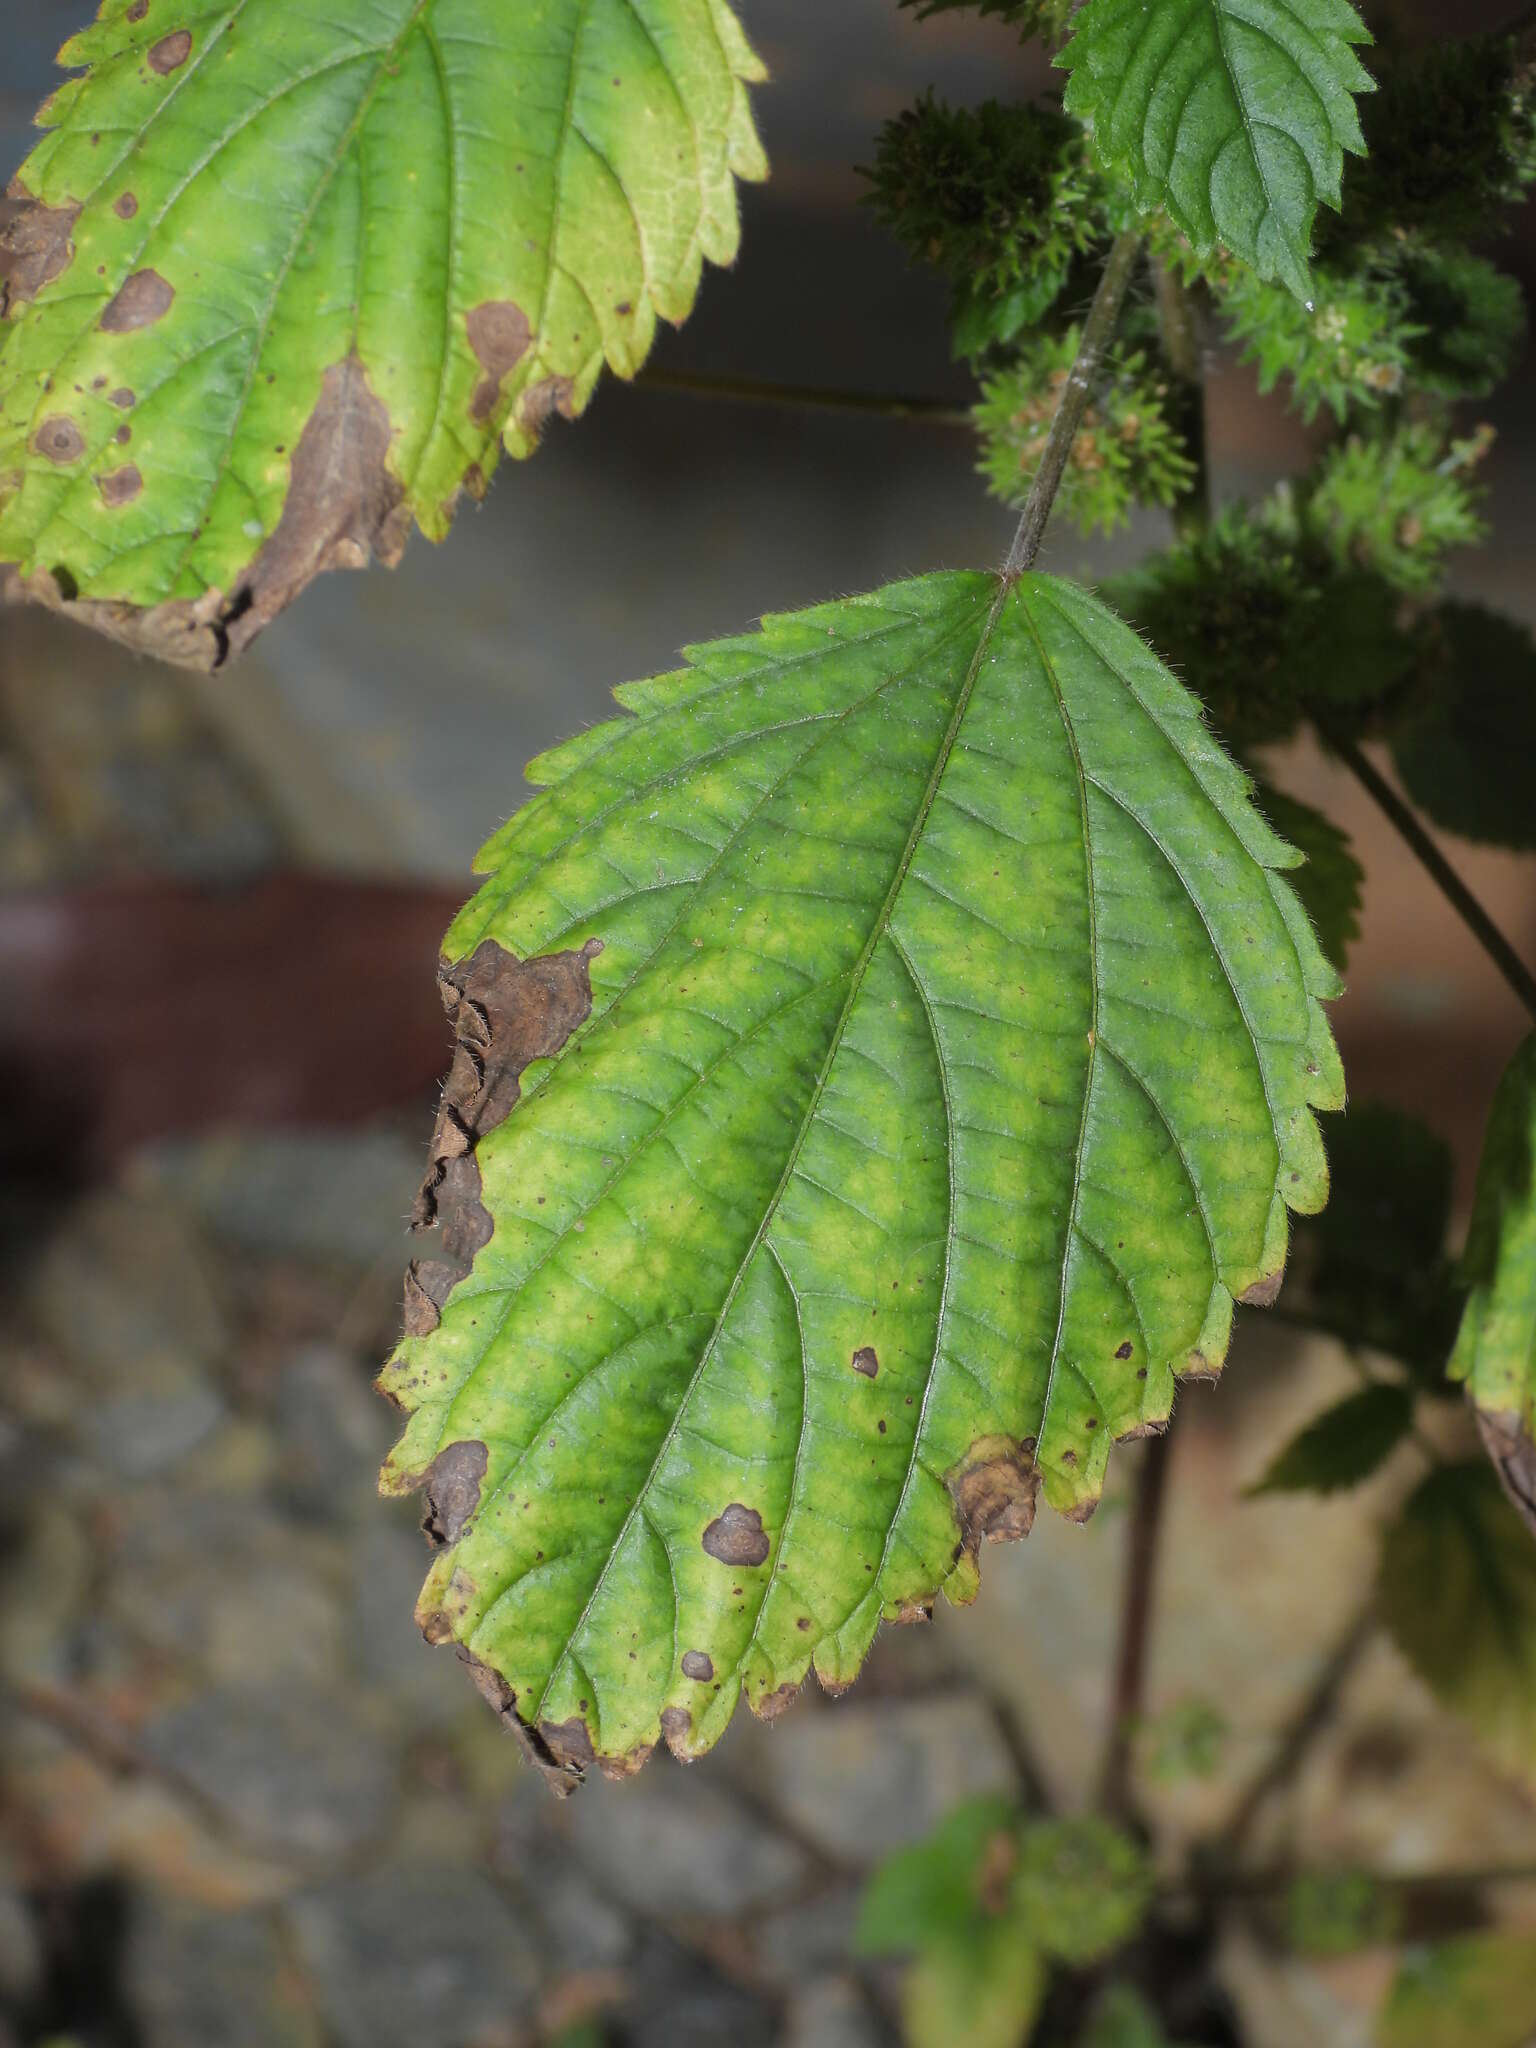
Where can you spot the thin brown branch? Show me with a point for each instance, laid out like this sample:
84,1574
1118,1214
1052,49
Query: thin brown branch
936,412
1128,1696
1439,869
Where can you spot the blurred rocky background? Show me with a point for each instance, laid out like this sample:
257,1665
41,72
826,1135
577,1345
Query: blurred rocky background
241,1804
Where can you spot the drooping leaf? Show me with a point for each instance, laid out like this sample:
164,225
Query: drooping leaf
945,1048
1495,1351
280,281
1232,115
1478,1991
1379,1272
1124,2019
1458,1592
1329,884
1465,755
1344,1445
930,1891
985,1992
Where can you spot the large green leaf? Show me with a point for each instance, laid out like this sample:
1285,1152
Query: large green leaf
1458,1592
1478,1991
282,279
1496,1347
1344,1445
943,1076
1464,753
1232,115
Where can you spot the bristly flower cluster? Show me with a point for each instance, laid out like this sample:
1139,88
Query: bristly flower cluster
1127,451
999,199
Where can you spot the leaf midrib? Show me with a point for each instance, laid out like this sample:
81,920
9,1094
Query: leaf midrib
856,982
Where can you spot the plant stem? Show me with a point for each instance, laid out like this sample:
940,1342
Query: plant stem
1135,1626
938,412
1451,886
1179,327
1073,403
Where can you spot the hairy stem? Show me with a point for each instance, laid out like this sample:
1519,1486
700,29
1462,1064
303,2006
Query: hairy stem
1450,884
1073,403
1127,1698
938,412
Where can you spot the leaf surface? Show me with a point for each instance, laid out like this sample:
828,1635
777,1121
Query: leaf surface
1458,1592
1232,115
1465,755
1477,1991
917,1046
280,281
1344,1445
1495,1350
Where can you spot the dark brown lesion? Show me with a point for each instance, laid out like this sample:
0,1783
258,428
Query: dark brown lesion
500,335
736,1536
450,1490
994,1488
139,301
505,1013
1508,1442
35,245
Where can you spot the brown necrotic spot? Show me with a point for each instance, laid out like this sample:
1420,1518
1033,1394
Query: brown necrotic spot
994,1488
35,245
451,1490
138,10
123,398
499,334
143,299
1123,1350
59,440
561,1773
120,486
769,1705
697,1665
539,401
737,1536
505,1012
123,436
125,205
865,1361
171,52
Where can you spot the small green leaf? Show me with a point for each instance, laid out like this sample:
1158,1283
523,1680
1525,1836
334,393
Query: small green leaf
1465,756
1081,1889
984,1992
1458,1592
1124,2019
918,1047
928,1893
1329,885
1496,1349
1478,1991
1336,1913
1232,115
1344,1445
282,279
1184,1741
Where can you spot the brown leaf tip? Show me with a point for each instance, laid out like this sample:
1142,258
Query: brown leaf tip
736,1536
1264,1292
561,1773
